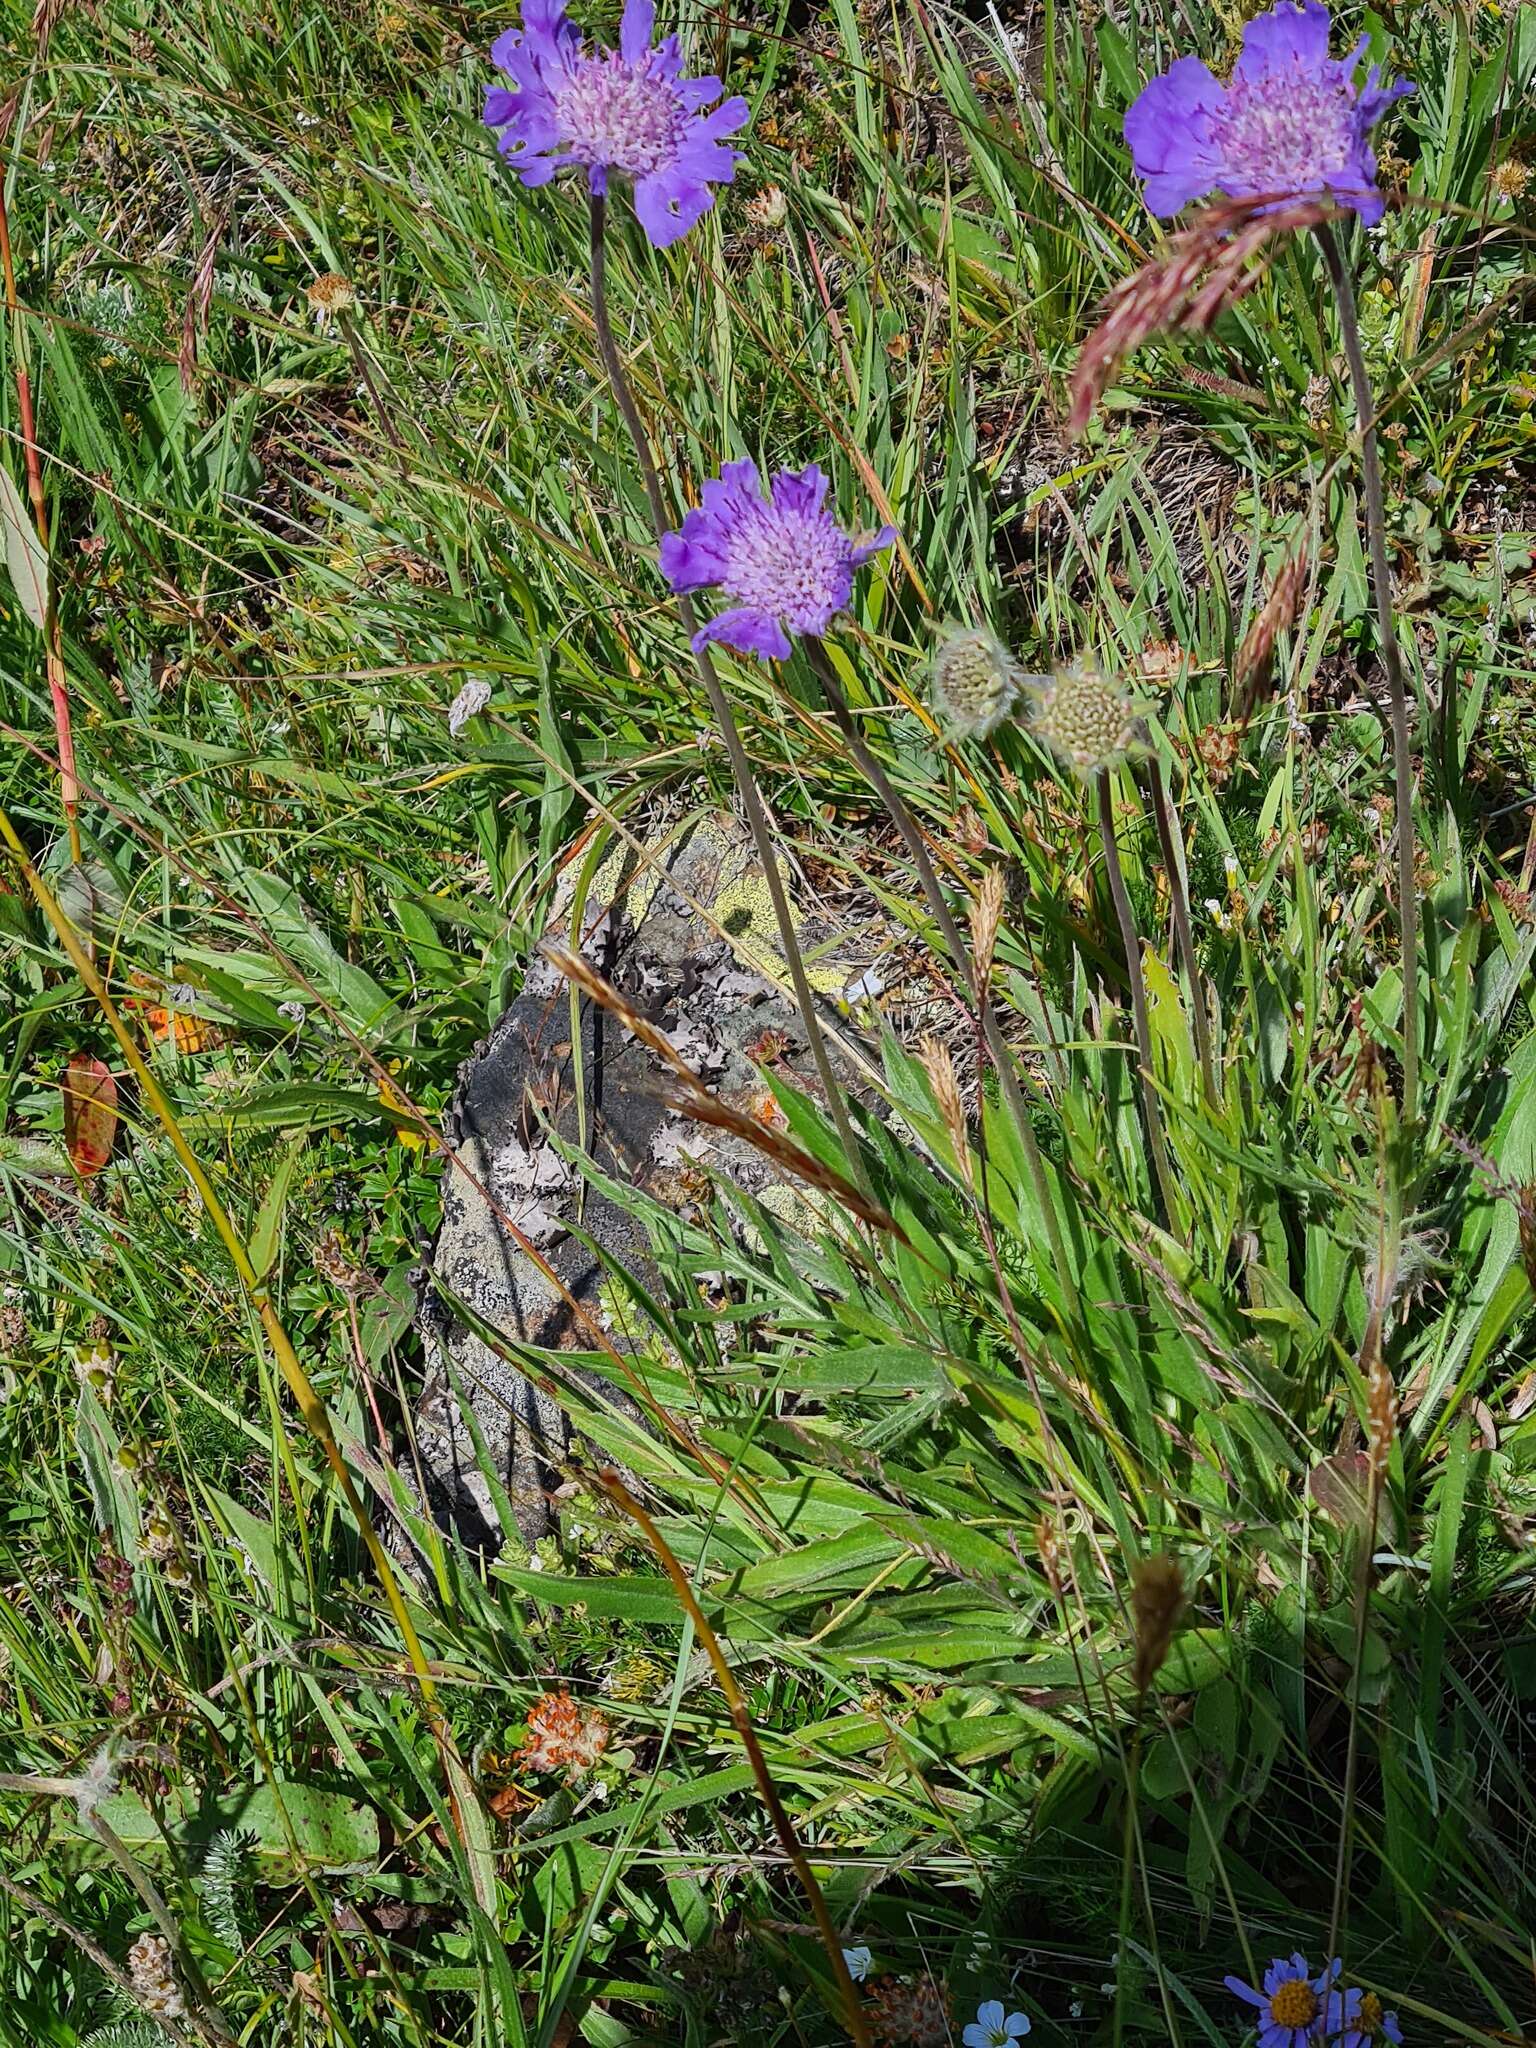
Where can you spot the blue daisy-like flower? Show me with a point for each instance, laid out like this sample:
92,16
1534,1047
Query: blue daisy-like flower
1292,2002
1291,123
628,110
784,558
1357,2019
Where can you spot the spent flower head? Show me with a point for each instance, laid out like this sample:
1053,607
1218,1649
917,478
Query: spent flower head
976,682
1291,2003
1090,721
784,558
1356,2019
1291,122
628,110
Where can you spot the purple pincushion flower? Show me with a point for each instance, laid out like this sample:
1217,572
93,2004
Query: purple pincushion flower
1291,122
1356,2019
1291,2003
783,558
627,110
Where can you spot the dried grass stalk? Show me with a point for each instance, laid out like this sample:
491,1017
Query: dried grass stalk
1197,275
1279,612
690,1097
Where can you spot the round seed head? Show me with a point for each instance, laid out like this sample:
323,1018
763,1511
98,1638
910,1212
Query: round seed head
976,682
1087,719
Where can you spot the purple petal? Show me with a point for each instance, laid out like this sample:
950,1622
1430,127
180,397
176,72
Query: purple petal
805,492
533,170
1285,36
1375,98
698,92
691,561
669,202
749,631
706,162
500,105
867,550
726,119
1168,131
1391,2028
734,491
1241,1990
635,29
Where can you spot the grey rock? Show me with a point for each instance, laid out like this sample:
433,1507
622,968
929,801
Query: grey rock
679,936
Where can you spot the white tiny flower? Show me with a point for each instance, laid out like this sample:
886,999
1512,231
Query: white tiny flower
858,1961
468,704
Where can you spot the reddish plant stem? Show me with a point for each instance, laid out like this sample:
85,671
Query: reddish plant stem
58,688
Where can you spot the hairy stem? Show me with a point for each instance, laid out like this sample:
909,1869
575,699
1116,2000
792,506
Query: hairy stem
1172,844
741,767
997,1045
1397,695
1130,939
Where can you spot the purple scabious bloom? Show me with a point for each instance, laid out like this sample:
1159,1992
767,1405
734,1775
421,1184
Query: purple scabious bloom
627,110
783,558
1356,2019
1291,2005
1290,123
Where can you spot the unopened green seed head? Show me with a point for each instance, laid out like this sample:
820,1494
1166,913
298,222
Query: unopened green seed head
1090,721
976,682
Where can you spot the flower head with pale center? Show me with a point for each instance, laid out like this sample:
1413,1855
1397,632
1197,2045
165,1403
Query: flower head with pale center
628,110
1291,123
993,2028
1292,2002
783,558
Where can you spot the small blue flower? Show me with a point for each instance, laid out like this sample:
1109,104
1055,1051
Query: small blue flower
1291,123
1291,2003
783,558
1357,2019
858,1961
990,2029
628,110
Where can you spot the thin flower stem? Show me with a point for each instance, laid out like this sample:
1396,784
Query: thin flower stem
853,2012
741,767
997,1045
1130,939
1171,841
1397,695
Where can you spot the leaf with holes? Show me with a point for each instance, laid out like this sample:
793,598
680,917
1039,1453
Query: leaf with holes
90,1114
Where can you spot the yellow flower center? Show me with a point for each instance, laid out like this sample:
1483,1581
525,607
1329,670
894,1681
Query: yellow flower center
1370,2013
1294,2004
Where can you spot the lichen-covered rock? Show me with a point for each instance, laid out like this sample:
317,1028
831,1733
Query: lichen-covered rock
689,940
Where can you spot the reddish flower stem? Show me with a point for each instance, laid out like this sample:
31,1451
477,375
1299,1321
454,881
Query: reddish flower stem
58,688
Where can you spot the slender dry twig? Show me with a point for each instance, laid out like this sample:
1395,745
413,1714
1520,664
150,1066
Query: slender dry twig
692,1098
783,1826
